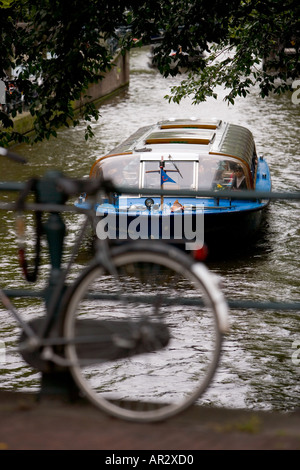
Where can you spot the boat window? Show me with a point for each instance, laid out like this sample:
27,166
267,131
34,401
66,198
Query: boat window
122,170
216,172
175,175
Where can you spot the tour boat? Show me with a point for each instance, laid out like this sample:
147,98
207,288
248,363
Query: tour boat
182,181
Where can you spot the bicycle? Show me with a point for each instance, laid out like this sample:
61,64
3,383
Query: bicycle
140,329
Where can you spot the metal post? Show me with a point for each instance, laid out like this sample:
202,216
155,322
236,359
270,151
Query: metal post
56,380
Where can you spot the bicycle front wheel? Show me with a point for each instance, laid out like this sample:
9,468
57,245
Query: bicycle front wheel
144,341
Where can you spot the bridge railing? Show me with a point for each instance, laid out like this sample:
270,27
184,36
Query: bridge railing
240,195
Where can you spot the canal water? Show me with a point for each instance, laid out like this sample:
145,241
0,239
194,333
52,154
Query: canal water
259,367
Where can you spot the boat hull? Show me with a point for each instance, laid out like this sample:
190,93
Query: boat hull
189,228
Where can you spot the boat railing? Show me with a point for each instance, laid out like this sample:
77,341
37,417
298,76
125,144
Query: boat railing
241,194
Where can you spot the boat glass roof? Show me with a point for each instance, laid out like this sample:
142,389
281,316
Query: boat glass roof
201,136
181,136
237,141
190,123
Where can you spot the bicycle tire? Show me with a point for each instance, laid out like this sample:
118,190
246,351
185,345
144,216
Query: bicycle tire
148,386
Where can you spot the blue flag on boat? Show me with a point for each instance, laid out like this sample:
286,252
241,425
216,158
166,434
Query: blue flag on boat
164,178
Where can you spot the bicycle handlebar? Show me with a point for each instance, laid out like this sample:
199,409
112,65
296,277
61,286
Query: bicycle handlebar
70,187
59,183
91,186
13,156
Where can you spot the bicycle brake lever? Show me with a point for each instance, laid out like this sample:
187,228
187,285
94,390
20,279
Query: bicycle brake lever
13,156
68,186
89,186
93,185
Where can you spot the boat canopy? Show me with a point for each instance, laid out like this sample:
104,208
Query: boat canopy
210,144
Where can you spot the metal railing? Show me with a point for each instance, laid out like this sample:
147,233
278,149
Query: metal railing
240,195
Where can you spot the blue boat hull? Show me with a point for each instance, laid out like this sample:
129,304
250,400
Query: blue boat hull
233,226
192,228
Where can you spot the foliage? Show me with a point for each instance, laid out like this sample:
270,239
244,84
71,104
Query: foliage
61,47
261,49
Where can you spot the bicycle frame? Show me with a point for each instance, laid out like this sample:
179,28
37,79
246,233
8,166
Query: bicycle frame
52,200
